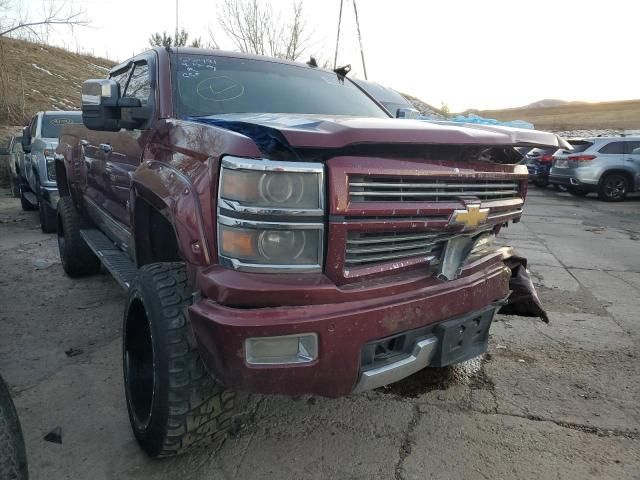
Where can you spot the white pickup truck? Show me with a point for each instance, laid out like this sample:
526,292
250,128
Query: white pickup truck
36,169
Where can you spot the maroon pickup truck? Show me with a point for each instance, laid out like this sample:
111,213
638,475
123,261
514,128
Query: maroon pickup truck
277,232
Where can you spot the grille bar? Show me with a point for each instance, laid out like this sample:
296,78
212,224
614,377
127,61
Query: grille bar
398,189
391,256
490,193
432,185
386,238
367,248
386,248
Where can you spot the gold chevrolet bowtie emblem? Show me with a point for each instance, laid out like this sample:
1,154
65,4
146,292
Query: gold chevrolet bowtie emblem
470,217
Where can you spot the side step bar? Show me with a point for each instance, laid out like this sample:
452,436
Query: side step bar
113,259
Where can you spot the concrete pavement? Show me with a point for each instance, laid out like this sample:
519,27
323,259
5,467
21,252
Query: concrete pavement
546,401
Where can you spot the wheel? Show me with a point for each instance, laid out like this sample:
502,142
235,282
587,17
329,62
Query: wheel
613,188
541,183
577,191
46,213
76,256
26,205
174,404
13,456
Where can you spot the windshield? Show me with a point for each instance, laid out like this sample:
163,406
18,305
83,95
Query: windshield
52,123
211,85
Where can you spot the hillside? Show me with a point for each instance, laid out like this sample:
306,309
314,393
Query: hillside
574,115
37,77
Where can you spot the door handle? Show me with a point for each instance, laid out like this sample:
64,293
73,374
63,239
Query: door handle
106,148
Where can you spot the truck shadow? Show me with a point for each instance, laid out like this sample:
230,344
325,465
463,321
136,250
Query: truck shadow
430,379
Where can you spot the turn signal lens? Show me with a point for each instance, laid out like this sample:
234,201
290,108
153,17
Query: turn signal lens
238,243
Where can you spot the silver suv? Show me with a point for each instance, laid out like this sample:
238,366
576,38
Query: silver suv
609,166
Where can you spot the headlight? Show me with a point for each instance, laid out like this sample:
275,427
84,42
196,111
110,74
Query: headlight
251,194
50,158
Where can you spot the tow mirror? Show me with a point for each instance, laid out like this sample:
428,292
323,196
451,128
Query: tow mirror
102,107
26,140
407,113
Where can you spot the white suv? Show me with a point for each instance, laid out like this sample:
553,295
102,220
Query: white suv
609,166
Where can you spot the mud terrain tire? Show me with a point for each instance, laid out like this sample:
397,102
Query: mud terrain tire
13,456
46,213
174,404
76,256
26,205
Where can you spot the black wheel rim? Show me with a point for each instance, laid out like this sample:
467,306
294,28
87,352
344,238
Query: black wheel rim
615,188
139,366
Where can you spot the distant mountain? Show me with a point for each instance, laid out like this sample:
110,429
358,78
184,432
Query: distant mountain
547,102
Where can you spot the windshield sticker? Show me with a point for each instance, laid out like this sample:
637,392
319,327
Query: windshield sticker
219,88
191,66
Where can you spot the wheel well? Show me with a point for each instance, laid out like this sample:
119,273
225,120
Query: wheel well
155,237
624,173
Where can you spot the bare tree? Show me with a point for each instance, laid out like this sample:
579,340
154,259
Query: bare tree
254,27
13,18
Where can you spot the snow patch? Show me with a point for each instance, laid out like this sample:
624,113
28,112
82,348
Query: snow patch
98,67
41,69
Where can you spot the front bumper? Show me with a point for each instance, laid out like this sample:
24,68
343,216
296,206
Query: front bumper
344,330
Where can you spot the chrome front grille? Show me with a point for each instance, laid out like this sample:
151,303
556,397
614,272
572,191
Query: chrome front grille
367,248
398,189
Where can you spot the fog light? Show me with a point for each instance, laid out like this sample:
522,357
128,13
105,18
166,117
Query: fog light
284,349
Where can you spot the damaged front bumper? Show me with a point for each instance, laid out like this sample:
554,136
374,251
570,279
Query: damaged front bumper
438,323
523,300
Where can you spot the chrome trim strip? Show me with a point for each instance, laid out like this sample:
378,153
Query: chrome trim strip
431,194
349,262
501,215
433,185
423,352
238,222
235,206
237,163
389,239
386,248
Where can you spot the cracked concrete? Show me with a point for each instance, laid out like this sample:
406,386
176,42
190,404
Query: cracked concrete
545,401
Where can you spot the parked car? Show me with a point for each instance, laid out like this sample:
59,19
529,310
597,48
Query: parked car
538,162
609,166
397,105
279,232
36,168
10,154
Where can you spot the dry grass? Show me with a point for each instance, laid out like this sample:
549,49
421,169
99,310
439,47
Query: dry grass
605,115
38,77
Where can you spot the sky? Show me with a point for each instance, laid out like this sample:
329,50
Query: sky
465,53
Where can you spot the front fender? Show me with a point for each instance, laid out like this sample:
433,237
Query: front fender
176,197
